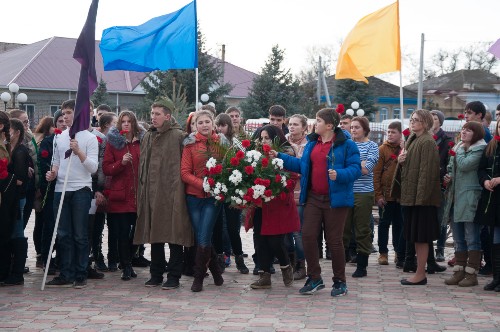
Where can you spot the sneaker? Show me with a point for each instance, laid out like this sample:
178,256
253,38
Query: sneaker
93,274
100,265
112,267
153,282
171,283
80,283
311,286
59,282
339,288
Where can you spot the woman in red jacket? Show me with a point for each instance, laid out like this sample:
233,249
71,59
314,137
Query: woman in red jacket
275,220
121,163
202,208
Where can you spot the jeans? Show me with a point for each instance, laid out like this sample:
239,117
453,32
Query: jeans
295,238
18,229
496,235
466,236
390,214
72,233
203,213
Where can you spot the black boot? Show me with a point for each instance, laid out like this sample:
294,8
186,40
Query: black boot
240,264
495,261
20,250
5,262
215,268
361,264
188,262
128,272
432,266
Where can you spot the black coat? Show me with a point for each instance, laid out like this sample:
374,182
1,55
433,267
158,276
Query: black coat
488,208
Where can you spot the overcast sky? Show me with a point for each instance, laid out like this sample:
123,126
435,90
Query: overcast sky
250,28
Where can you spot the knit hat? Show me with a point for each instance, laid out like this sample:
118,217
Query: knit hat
57,115
440,116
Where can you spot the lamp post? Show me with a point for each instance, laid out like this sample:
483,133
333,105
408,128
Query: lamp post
6,96
355,106
204,98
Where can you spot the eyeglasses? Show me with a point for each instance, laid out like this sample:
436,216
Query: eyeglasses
415,120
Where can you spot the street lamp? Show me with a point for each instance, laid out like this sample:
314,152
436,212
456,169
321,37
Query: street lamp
6,97
355,106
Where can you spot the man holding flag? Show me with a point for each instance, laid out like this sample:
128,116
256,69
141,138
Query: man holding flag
73,193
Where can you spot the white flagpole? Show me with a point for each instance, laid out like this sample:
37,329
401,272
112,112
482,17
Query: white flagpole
402,111
197,97
57,223
421,74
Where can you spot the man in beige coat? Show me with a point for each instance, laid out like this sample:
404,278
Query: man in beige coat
162,215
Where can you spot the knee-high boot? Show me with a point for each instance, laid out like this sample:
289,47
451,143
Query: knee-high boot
20,250
214,268
200,267
495,261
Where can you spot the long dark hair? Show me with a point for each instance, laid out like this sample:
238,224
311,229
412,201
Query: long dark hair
273,132
133,121
17,124
44,126
4,120
224,119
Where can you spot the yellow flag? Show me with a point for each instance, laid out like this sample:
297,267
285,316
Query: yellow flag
372,47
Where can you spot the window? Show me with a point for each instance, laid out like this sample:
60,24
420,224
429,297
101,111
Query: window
396,113
30,110
383,114
409,111
53,109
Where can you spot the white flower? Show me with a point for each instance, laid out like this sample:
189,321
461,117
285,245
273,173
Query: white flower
238,201
218,185
258,191
218,197
216,191
278,163
211,163
254,164
267,199
236,177
206,186
224,188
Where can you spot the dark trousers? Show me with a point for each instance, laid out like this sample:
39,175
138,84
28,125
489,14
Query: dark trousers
113,256
316,210
158,261
96,237
271,246
232,218
486,242
390,214
49,220
125,223
30,200
37,232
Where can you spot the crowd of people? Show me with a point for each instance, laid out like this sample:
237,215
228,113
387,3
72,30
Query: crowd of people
144,181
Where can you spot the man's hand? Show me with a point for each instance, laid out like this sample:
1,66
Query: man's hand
50,176
73,145
31,171
100,199
332,174
381,202
402,157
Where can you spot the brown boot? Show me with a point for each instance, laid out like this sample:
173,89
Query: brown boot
473,265
287,272
215,269
383,259
200,267
458,268
264,281
300,270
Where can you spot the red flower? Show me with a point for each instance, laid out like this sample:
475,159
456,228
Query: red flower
123,132
266,148
406,132
250,191
57,131
257,181
289,184
206,172
277,178
393,156
340,108
265,162
44,153
497,138
106,192
452,153
435,137
211,182
99,140
461,116
240,154
452,144
222,198
282,195
257,201
235,161
249,170
266,183
247,198
245,143
268,193
218,169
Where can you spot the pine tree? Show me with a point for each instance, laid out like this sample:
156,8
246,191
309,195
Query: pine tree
100,95
274,86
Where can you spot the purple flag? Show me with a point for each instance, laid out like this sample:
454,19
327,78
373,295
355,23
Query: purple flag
85,54
495,49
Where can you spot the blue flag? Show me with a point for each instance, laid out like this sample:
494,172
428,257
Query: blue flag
165,42
85,54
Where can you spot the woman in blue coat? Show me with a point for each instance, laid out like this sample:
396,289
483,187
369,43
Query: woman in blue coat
329,166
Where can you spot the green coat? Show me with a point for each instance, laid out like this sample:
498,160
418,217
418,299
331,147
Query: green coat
162,215
420,184
464,190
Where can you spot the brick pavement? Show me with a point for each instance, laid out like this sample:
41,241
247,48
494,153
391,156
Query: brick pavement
374,303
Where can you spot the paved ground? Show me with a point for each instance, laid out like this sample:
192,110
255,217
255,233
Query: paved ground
374,303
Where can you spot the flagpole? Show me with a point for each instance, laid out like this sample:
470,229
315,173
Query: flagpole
54,233
197,98
402,112
421,74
